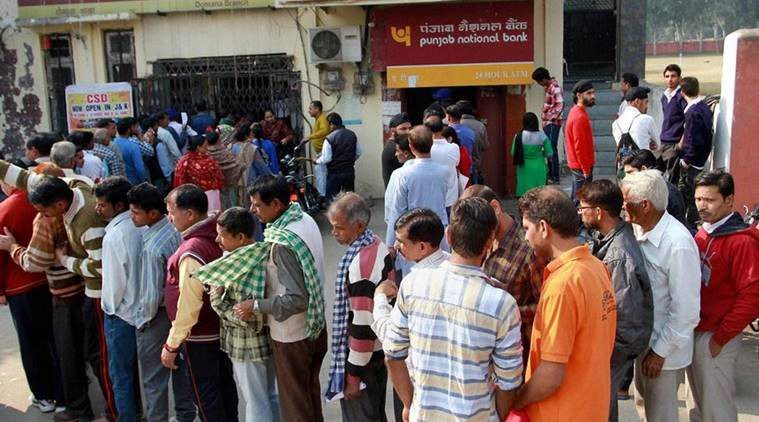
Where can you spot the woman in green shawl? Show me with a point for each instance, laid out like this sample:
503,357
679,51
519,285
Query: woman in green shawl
530,150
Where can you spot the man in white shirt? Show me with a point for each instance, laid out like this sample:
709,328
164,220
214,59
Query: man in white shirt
636,122
122,246
447,154
167,139
626,83
674,268
63,154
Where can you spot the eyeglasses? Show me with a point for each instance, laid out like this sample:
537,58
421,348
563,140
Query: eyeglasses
581,209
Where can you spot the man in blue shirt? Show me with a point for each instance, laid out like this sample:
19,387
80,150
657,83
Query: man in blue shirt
160,241
201,121
266,146
466,134
135,167
422,184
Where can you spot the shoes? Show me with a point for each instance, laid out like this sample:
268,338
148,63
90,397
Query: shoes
65,416
45,406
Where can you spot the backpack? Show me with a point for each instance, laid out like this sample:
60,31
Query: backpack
627,145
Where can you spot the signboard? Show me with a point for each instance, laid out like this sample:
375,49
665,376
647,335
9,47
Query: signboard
454,44
86,104
46,9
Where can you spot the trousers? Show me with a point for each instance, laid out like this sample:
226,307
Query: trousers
298,366
711,381
213,383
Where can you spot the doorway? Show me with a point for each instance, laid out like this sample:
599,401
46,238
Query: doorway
418,99
59,72
590,39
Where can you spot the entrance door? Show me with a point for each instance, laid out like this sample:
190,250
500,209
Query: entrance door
590,39
59,66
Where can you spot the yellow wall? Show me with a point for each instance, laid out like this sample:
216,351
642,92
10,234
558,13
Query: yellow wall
264,31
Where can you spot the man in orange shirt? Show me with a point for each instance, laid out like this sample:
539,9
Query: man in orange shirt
568,373
578,136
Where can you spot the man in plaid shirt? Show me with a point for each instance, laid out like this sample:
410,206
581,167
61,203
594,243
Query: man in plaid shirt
513,265
552,108
246,342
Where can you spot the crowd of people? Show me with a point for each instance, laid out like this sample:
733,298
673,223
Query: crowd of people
169,256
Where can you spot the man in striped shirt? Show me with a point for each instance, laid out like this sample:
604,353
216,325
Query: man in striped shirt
159,241
460,334
75,203
552,108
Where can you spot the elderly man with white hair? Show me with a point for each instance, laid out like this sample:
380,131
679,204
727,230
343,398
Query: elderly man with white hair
110,156
672,263
63,154
358,375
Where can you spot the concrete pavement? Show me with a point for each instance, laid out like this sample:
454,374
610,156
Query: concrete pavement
14,392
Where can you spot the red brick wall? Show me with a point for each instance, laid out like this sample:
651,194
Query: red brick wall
689,47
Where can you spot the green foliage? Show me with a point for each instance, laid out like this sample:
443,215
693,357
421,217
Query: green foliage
680,20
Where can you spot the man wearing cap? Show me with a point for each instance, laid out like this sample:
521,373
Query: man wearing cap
399,125
635,121
578,136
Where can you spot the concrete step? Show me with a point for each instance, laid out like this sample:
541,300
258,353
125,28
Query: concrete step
604,111
605,143
603,97
605,157
601,127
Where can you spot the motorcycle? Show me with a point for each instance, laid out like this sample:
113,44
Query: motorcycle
302,189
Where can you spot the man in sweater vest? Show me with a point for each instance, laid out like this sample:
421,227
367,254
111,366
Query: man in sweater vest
195,326
74,202
673,106
27,296
293,302
729,250
339,154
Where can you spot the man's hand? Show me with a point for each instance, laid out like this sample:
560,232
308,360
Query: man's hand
244,310
7,241
352,387
392,251
652,364
168,359
61,252
3,301
714,348
388,288
406,413
304,141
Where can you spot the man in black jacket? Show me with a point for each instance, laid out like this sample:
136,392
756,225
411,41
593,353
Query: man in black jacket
339,153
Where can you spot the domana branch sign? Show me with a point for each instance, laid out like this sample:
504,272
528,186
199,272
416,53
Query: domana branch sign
454,44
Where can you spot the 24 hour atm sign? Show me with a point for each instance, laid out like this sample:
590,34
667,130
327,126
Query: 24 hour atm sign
455,44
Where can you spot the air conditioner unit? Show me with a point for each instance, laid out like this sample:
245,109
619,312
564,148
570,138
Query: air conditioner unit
333,45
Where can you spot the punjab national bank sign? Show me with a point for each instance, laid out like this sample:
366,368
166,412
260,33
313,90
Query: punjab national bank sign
460,44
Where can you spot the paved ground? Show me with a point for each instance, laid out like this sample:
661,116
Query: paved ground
14,393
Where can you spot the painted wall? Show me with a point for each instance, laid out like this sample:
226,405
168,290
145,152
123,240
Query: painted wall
735,139
242,32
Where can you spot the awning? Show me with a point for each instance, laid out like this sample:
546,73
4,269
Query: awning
327,3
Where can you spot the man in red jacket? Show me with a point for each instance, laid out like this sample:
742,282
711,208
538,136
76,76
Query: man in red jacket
578,136
28,298
729,251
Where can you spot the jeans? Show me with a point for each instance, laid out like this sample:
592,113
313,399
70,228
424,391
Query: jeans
258,386
32,316
619,371
340,181
122,363
552,132
578,181
96,352
211,377
156,377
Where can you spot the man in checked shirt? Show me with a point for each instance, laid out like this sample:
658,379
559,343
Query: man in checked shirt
512,265
552,108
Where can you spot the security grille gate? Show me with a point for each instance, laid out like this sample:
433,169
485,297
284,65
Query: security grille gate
241,84
590,38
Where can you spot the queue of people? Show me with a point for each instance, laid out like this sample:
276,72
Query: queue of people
198,275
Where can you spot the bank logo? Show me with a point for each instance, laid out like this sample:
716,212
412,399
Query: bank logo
401,35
